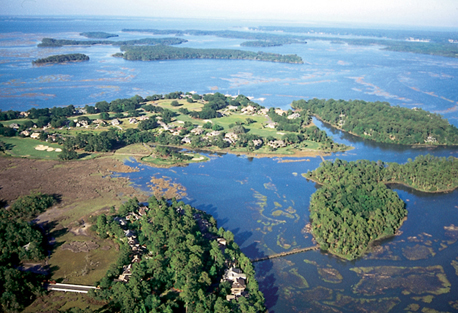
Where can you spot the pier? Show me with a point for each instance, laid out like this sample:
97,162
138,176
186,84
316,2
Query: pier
282,254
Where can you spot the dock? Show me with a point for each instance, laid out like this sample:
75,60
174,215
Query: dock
282,254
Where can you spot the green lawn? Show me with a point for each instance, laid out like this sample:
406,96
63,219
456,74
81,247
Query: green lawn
25,147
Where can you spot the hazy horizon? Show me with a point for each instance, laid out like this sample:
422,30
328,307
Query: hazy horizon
351,13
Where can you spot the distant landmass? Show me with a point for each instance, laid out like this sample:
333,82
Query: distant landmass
98,35
51,42
257,39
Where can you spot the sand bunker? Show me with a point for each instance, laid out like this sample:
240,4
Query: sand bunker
47,148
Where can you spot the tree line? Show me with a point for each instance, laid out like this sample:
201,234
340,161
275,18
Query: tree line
21,240
181,266
381,122
354,207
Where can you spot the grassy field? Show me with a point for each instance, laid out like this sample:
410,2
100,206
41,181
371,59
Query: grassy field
61,301
25,147
82,267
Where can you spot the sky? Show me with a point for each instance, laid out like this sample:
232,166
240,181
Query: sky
436,13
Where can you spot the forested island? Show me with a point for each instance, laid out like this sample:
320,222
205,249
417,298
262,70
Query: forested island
51,42
381,122
62,58
173,258
353,208
155,53
98,35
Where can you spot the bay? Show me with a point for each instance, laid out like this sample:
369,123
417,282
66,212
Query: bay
264,201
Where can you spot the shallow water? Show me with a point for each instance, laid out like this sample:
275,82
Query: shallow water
263,201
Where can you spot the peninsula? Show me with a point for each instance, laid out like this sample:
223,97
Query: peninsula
161,123
381,122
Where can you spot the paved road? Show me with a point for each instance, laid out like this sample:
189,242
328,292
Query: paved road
69,288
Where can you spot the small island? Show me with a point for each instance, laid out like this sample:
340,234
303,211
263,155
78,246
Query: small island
159,52
62,58
354,207
381,122
98,35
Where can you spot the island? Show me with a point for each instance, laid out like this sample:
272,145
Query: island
98,35
381,122
354,207
51,42
160,52
62,58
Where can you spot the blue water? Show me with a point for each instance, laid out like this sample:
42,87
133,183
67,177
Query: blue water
243,193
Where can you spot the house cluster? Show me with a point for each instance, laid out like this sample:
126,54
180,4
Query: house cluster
430,139
238,279
132,241
277,143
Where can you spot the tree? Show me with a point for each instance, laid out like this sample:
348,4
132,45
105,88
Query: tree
104,116
68,154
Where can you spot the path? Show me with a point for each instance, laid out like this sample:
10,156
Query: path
282,254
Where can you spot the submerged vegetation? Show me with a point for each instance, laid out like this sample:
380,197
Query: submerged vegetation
354,207
381,122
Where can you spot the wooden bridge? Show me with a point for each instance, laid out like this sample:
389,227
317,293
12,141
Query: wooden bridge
282,254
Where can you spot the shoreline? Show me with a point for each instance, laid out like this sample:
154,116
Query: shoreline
413,146
393,183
